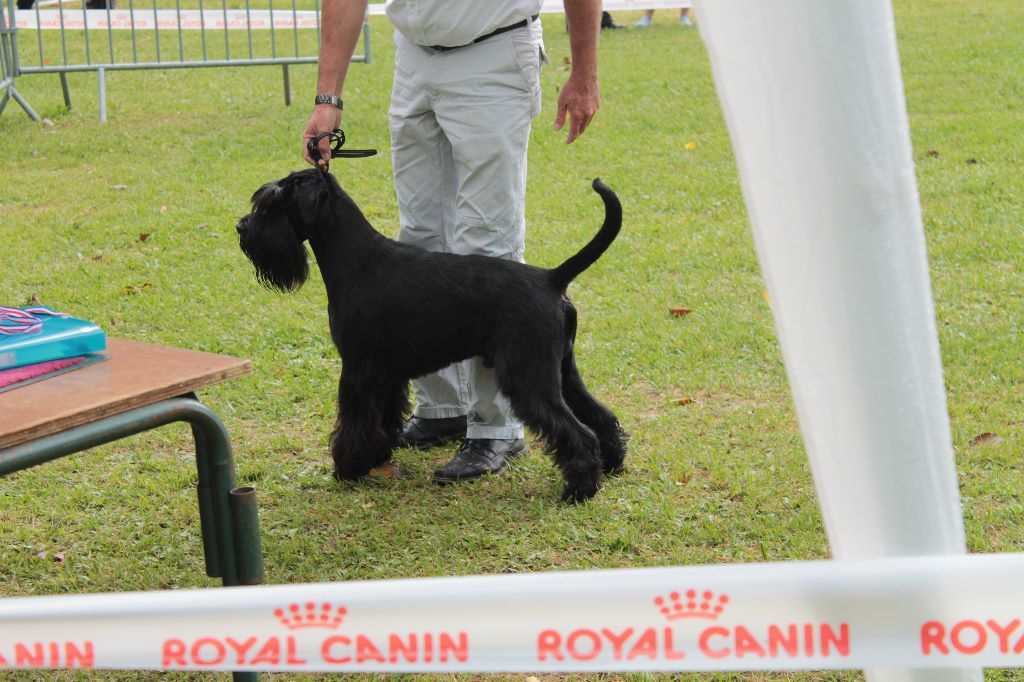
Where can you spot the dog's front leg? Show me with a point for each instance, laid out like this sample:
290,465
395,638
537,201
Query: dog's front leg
370,414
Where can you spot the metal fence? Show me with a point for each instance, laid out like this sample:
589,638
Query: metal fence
8,62
56,37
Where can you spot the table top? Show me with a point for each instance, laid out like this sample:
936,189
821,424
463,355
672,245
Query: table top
134,375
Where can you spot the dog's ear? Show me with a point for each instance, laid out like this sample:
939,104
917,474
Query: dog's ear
266,196
309,194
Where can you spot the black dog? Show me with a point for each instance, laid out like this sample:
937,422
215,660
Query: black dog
382,294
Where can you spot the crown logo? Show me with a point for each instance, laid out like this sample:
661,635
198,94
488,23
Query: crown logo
310,615
691,604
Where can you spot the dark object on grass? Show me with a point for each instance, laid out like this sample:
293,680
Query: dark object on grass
608,22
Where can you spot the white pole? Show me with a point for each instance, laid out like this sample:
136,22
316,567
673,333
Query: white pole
813,99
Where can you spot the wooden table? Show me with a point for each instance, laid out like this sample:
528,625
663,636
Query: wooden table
140,387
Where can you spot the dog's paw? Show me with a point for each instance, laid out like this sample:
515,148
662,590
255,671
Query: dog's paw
615,470
346,474
579,491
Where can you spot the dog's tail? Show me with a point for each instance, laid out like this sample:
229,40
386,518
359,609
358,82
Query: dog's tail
588,255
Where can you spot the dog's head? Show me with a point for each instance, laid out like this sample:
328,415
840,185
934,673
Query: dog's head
284,214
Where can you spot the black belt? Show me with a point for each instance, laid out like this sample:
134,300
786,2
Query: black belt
497,31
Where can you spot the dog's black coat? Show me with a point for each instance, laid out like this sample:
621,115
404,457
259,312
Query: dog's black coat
398,312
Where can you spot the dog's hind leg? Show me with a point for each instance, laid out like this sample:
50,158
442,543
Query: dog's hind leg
370,413
587,408
531,385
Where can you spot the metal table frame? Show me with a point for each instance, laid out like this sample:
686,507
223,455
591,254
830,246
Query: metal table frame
227,514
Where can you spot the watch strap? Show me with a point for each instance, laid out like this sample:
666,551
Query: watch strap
333,100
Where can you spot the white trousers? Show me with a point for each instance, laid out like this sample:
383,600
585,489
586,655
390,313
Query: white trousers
460,127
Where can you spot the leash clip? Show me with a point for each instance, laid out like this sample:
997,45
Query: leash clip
337,141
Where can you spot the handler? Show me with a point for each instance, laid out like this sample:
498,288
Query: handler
466,89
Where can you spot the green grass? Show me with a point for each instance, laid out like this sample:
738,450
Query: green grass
722,479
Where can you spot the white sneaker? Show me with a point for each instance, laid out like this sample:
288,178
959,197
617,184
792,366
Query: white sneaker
644,22
685,21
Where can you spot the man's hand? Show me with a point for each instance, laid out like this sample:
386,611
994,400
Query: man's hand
325,118
581,95
579,99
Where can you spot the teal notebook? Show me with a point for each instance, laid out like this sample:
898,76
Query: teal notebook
51,337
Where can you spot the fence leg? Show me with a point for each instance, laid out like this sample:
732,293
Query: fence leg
9,64
367,59
287,86
12,92
102,73
64,88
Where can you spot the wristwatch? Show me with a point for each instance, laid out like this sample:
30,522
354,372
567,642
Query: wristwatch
330,99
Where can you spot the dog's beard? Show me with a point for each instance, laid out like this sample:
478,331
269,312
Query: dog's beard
280,259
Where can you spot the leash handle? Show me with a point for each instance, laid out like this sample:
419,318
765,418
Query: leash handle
337,141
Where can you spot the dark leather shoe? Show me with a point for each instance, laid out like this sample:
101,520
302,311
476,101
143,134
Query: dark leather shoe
608,22
423,433
479,456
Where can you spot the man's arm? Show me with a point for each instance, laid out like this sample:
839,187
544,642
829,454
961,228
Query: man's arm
581,95
340,24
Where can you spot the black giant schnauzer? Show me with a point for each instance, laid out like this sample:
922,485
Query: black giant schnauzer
382,294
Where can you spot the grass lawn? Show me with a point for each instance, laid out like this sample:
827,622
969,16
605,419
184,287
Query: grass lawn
131,224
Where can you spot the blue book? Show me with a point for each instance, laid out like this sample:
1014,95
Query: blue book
50,338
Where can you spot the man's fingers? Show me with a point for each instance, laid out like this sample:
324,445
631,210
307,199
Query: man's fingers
578,123
560,117
305,151
325,152
579,113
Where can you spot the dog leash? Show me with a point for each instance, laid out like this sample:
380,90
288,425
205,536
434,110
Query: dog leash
337,141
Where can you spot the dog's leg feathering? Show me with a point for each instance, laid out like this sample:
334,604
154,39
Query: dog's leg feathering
370,414
536,399
586,407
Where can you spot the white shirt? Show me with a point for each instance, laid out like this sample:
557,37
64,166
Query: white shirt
456,22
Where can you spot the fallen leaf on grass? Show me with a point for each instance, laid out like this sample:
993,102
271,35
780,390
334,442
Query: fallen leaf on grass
386,470
132,289
119,187
986,439
679,312
57,558
143,236
690,146
685,400
932,153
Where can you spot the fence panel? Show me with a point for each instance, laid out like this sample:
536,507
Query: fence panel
57,36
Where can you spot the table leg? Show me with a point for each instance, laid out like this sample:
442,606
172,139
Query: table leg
228,516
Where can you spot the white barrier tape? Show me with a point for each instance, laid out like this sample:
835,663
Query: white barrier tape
930,612
216,20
